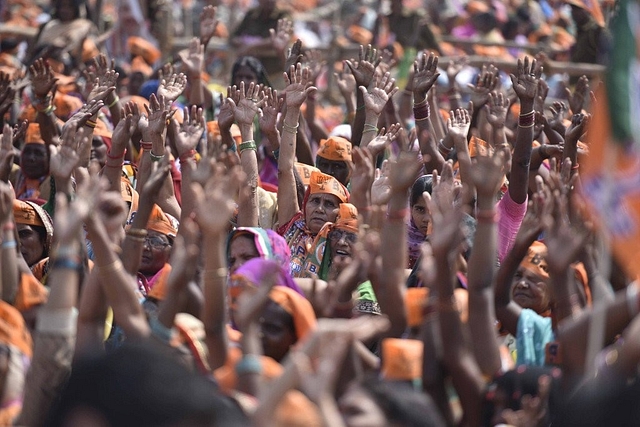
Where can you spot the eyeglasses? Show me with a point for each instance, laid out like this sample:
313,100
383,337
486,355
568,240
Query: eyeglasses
337,234
156,242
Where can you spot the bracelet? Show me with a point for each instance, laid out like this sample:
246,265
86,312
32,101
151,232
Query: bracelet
90,124
369,128
577,165
276,154
146,145
160,331
632,299
290,129
219,273
110,268
249,364
137,232
155,157
66,264
421,112
489,215
66,252
527,120
9,226
46,111
422,103
187,155
115,101
443,147
115,157
9,244
247,145
107,165
398,215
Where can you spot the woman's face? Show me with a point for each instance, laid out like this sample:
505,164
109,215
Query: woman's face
241,250
358,408
98,150
155,253
245,74
342,242
31,246
338,169
420,215
65,11
530,291
276,331
321,208
34,161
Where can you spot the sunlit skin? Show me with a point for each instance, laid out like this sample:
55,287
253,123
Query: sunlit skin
338,169
530,291
241,250
420,215
321,208
31,246
277,331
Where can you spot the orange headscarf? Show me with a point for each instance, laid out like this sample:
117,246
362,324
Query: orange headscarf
25,213
304,170
162,223
347,218
33,135
535,261
479,146
66,105
320,183
141,47
304,318
13,330
335,148
401,359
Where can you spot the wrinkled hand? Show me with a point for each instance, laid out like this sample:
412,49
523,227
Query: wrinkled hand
381,187
365,68
217,196
103,87
577,128
172,87
458,124
525,80
208,23
425,74
248,104
345,81
42,80
404,171
122,133
453,69
298,86
376,98
87,111
193,59
387,61
487,173
71,216
558,112
447,237
384,139
497,109
270,109
65,158
315,63
155,122
579,96
488,79
225,115
190,134
294,55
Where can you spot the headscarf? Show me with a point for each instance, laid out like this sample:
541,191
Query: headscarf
30,213
402,359
415,236
269,244
306,250
335,148
138,46
300,309
33,135
253,272
347,220
305,170
162,222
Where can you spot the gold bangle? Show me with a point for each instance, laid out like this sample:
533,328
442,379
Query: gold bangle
218,273
137,232
110,268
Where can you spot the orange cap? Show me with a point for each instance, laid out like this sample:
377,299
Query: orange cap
25,213
335,148
141,47
321,183
401,359
162,223
347,218
304,170
477,145
89,50
13,330
139,65
535,260
304,318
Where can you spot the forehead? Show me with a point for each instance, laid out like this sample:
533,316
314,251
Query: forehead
243,242
35,148
326,162
530,275
153,233
324,197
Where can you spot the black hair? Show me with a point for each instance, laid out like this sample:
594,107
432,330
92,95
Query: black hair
253,63
42,235
141,386
403,404
420,185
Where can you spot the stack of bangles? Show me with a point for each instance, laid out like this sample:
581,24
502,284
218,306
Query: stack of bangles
110,268
369,128
290,129
67,258
43,106
247,145
91,124
189,155
421,111
527,120
120,163
137,234
399,215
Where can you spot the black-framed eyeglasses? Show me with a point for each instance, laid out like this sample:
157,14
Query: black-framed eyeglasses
156,242
337,234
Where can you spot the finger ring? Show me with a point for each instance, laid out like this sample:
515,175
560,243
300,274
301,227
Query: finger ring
254,99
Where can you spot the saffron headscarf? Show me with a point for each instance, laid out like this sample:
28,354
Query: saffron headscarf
335,148
30,213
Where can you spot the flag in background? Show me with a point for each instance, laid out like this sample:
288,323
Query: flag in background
611,173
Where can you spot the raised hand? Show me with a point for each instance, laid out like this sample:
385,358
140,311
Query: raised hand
103,87
579,96
525,80
156,120
87,111
65,158
270,109
190,134
42,80
532,222
425,74
364,170
315,63
488,79
159,173
193,59
376,98
558,112
446,236
577,128
172,87
208,24
365,68
541,96
404,171
381,187
453,69
7,93
487,173
7,153
248,104
458,124
298,86
6,202
387,61
71,216
384,139
123,131
225,115
345,81
497,109
282,34
294,55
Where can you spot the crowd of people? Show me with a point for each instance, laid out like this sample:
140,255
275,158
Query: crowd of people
173,255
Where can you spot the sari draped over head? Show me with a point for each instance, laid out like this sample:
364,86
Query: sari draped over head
307,249
30,213
269,244
415,239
